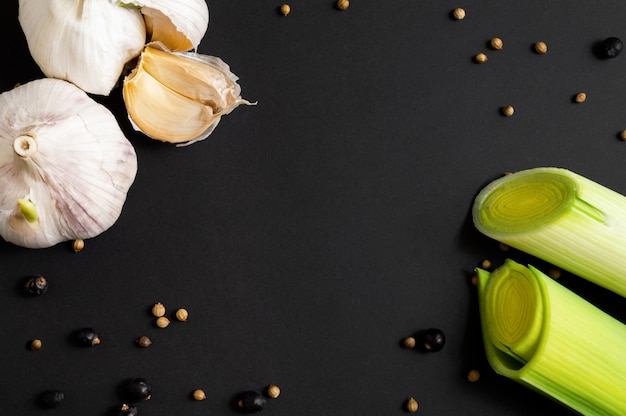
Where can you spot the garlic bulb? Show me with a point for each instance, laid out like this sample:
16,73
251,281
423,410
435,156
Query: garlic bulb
179,25
86,42
179,97
65,165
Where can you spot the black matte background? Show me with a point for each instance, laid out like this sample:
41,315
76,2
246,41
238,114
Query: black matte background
311,233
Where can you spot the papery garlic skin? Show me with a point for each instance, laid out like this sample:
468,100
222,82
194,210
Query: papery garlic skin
179,97
179,25
65,157
86,42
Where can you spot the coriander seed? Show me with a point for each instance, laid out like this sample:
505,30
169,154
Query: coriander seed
158,309
473,376
496,44
128,410
408,342
343,4
162,322
199,395
508,110
35,345
474,280
622,135
503,247
458,13
78,245
481,58
182,315
486,264
143,341
412,405
285,9
273,391
541,48
554,273
581,97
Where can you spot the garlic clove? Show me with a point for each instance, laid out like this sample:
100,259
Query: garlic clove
65,165
162,113
86,42
179,25
179,97
207,79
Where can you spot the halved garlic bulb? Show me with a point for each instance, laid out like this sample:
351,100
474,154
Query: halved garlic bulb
179,97
179,25
86,42
65,165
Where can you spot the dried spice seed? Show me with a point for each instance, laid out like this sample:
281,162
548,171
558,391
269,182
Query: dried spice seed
486,264
35,345
541,48
158,309
432,339
474,280
481,58
51,398
458,13
408,342
143,341
199,395
343,4
611,47
182,315
412,405
138,389
622,135
496,44
251,401
128,410
78,245
87,337
162,322
503,247
273,391
285,9
508,110
36,285
554,273
473,376
581,97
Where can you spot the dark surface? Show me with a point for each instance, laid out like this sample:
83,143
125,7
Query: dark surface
310,234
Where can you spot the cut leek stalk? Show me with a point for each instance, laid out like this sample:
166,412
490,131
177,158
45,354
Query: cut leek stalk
561,217
546,337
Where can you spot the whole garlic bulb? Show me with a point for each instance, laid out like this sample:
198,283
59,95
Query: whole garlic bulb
179,97
179,25
86,42
65,165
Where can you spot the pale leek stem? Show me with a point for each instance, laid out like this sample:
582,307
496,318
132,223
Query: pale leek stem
546,337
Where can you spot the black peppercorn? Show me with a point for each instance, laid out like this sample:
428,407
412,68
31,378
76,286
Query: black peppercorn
87,337
36,285
52,398
138,389
128,410
432,339
252,401
611,47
